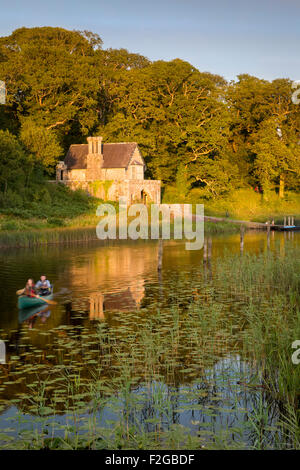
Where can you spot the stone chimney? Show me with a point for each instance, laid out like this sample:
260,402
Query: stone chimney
94,158
95,145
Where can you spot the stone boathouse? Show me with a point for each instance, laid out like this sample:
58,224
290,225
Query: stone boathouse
108,171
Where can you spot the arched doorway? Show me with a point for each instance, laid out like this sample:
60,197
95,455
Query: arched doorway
144,197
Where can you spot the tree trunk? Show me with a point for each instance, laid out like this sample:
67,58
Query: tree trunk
281,186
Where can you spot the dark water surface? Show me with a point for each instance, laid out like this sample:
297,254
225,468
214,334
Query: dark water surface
114,294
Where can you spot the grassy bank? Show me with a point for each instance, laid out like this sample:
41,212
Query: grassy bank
54,214
49,206
243,204
56,206
60,215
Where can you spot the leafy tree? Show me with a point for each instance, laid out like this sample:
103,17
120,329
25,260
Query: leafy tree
176,114
51,77
58,78
182,181
276,156
120,59
259,107
14,163
195,129
42,143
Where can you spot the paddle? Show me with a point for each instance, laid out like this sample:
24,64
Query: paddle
50,302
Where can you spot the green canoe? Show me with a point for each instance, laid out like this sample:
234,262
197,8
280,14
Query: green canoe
28,302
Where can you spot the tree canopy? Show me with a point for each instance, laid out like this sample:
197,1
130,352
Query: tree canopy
194,129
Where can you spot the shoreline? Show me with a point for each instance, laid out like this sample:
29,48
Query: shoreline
79,234
87,233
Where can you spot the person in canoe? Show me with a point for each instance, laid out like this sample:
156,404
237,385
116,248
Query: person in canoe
30,288
43,286
29,296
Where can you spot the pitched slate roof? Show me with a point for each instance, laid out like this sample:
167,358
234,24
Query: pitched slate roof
76,156
114,155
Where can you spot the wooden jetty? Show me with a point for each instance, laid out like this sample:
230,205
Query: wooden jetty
288,224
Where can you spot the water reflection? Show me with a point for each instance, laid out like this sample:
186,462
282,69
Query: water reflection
31,315
118,272
111,298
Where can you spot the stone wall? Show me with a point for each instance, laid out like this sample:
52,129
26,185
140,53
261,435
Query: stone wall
135,172
61,170
76,175
132,190
146,190
114,173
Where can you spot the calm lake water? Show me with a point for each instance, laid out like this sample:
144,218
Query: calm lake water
115,289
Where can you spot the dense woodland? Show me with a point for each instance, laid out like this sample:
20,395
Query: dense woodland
198,133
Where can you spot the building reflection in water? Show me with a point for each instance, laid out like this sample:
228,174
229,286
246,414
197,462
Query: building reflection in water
124,301
112,279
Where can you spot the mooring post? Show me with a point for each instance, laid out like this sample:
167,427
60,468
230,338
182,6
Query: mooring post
242,234
209,248
205,250
268,235
160,254
209,254
293,220
2,352
284,222
289,220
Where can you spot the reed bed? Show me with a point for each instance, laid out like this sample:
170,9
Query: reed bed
29,238
44,236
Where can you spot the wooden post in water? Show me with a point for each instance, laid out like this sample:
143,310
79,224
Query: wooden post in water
209,252
242,234
205,250
293,220
159,268
209,248
289,220
160,254
268,235
284,221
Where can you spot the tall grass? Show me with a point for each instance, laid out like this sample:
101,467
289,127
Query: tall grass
31,238
81,229
270,285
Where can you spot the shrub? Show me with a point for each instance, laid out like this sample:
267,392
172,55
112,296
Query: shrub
10,199
9,225
56,222
45,197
